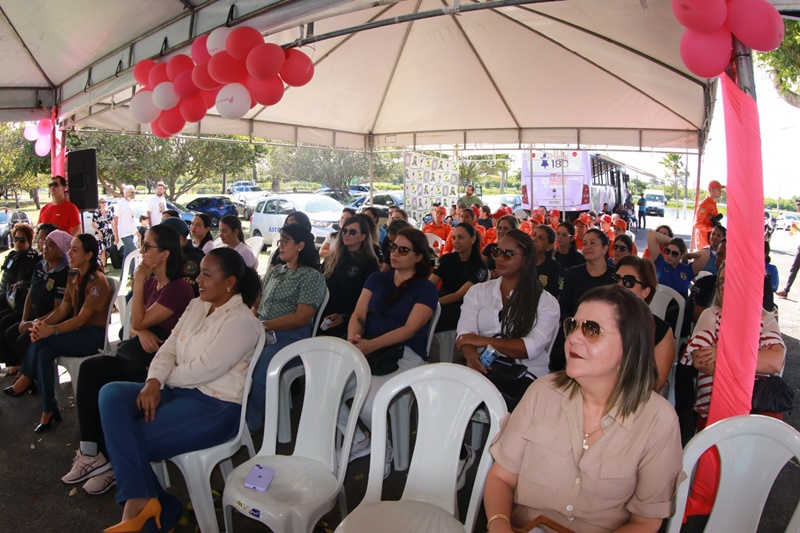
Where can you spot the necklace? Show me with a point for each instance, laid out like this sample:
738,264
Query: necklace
586,436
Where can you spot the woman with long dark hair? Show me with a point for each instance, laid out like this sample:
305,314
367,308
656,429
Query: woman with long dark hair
567,254
86,301
200,229
550,272
671,269
298,217
232,235
504,225
622,247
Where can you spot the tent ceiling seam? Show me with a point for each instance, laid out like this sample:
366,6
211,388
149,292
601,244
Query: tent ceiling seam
52,85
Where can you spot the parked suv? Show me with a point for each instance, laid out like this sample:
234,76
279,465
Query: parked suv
215,207
271,212
230,188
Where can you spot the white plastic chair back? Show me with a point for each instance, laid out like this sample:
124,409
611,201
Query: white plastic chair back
122,290
753,449
434,241
663,296
702,274
320,312
217,242
255,244
432,324
447,395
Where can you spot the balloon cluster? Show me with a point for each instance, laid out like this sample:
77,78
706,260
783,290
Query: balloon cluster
42,134
232,69
706,45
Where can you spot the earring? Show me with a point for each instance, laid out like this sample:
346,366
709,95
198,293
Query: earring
229,289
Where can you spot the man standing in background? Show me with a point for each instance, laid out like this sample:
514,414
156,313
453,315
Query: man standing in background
125,224
469,199
707,215
157,205
61,212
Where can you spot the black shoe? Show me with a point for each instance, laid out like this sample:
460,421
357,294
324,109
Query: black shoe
29,389
41,428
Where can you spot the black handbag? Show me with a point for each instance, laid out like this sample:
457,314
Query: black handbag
134,357
384,360
512,380
771,394
16,297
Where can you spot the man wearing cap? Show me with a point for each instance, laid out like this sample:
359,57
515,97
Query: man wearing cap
554,216
191,254
605,225
535,221
469,199
438,227
707,215
61,212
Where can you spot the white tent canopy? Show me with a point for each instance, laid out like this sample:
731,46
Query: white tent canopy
578,73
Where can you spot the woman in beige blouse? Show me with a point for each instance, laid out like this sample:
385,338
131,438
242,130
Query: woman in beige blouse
592,447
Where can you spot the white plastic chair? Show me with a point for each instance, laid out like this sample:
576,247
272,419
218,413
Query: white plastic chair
289,376
659,305
447,341
306,483
197,466
702,274
122,290
447,396
753,449
435,242
255,244
217,242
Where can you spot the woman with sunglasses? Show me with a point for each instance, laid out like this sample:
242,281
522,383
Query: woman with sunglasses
458,271
639,276
504,225
622,247
291,293
392,230
332,238
592,447
567,254
351,262
671,269
513,313
17,269
664,230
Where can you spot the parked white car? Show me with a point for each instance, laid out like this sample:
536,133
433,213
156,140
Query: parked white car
246,201
785,221
271,212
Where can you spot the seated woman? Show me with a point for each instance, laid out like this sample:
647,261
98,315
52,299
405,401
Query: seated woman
291,293
664,230
513,313
193,394
230,231
567,254
86,301
298,217
391,234
160,296
715,238
622,247
330,240
458,271
200,229
504,225
571,426
671,269
639,276
352,261
550,273
17,270
46,291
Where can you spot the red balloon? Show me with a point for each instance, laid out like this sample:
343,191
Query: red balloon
202,79
141,71
158,74
706,54
193,109
756,23
199,51
225,69
183,85
241,40
210,97
157,131
265,92
265,61
178,64
171,121
701,15
298,68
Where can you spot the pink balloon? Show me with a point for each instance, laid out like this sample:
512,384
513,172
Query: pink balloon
756,23
45,127
298,68
200,50
265,92
142,108
216,40
183,85
158,132
706,54
193,109
43,146
225,69
141,71
701,15
31,132
202,79
178,64
265,61
171,121
158,74
241,40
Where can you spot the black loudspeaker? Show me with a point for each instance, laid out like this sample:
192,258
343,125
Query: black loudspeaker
82,178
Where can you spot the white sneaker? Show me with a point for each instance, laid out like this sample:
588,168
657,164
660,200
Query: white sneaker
463,465
481,416
387,467
360,449
85,466
100,484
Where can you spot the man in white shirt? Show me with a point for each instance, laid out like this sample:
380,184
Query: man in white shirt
125,223
157,205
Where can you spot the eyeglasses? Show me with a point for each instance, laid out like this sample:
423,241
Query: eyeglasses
402,250
590,329
627,281
283,242
20,239
508,254
620,248
147,246
54,184
672,252
351,232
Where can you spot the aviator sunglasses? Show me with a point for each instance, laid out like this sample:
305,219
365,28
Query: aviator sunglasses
591,330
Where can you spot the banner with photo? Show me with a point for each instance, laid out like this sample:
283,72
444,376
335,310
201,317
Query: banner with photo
428,180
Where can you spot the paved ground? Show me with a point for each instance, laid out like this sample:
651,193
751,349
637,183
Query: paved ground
33,499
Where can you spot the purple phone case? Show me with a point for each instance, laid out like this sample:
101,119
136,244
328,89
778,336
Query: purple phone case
259,478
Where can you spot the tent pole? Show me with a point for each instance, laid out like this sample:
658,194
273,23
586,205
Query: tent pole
743,61
371,142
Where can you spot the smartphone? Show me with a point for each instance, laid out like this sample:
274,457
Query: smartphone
259,478
272,338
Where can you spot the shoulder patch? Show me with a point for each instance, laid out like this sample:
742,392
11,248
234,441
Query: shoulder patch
94,291
190,268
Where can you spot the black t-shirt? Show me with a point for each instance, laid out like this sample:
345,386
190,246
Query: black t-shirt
347,281
18,266
454,274
191,266
487,256
661,329
577,282
46,288
569,260
551,276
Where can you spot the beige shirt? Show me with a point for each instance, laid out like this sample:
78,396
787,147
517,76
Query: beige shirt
209,352
632,468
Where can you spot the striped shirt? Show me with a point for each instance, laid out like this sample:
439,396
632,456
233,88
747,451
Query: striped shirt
706,333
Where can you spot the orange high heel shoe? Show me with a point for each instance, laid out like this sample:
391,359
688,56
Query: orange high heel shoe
151,510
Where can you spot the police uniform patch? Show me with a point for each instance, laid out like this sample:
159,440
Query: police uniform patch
95,291
483,275
543,279
683,275
50,284
190,268
352,271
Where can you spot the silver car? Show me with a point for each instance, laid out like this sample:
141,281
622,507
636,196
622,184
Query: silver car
271,212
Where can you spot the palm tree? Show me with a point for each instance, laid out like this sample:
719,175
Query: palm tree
673,165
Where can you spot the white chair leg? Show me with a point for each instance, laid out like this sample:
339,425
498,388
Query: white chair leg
227,512
284,413
477,435
226,467
160,468
342,503
200,494
400,419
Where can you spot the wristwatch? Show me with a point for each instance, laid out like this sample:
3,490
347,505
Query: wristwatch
55,330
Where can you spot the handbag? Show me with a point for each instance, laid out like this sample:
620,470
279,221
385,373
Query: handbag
384,360
512,380
772,394
135,359
16,297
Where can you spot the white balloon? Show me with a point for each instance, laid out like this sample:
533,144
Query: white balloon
216,40
164,96
233,101
31,132
142,108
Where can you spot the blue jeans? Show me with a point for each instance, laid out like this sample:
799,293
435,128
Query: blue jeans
186,420
128,248
41,355
258,391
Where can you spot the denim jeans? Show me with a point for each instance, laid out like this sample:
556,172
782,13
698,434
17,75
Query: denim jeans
128,248
258,391
186,420
39,360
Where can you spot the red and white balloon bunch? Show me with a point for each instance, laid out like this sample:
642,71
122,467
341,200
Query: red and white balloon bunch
232,69
706,45
42,134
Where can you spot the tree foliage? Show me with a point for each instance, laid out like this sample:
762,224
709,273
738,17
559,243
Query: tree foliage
473,168
20,167
783,64
674,167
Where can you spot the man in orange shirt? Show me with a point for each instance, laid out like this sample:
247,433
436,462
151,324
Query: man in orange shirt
707,215
438,227
467,217
605,225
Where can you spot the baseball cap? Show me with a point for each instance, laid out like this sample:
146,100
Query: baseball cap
555,213
621,224
606,218
177,224
440,209
584,218
502,211
538,217
714,184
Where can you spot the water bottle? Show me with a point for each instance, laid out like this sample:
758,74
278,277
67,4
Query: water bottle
488,356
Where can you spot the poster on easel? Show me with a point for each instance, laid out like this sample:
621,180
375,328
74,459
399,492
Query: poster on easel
428,180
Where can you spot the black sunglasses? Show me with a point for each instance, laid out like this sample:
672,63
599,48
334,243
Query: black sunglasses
402,250
627,281
54,184
20,239
672,252
591,330
351,232
620,248
508,254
